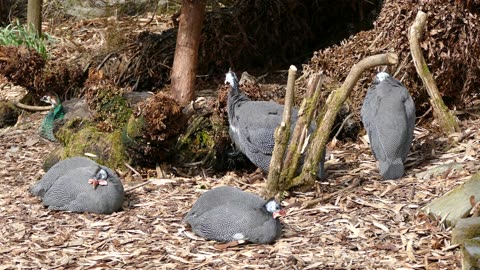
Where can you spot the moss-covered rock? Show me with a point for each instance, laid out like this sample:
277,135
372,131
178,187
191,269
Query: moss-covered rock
80,137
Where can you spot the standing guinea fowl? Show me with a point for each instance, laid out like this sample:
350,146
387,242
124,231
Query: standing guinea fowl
228,214
46,128
252,125
388,114
79,184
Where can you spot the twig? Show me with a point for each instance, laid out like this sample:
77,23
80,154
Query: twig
32,108
133,170
136,186
343,124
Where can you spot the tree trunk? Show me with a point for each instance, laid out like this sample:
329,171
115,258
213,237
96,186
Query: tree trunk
34,15
186,51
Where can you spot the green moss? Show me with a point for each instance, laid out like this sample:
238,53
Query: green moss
111,108
80,137
204,139
135,126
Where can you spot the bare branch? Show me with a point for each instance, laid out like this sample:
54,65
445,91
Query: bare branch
445,118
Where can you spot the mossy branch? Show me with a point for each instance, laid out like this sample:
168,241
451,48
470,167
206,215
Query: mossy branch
445,118
282,135
305,115
327,116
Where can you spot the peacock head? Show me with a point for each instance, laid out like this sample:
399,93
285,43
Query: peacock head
274,208
100,178
51,98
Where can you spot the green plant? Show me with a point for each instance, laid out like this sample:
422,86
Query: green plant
16,34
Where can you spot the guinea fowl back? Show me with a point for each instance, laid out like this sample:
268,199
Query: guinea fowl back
388,114
58,170
219,196
79,184
238,222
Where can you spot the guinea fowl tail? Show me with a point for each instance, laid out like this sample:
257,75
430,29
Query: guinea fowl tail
392,169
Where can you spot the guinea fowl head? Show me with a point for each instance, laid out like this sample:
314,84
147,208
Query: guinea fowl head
99,179
381,76
274,208
231,79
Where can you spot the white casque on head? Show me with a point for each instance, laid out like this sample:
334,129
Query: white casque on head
381,76
272,206
229,78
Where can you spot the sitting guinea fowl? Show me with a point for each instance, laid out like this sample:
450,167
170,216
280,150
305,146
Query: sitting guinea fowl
388,114
252,125
228,214
46,128
79,184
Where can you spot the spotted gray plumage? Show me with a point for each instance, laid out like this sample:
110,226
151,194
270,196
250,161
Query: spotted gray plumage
219,196
388,114
252,125
66,187
59,169
227,214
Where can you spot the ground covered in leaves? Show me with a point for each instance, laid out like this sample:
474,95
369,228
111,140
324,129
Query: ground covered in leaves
363,223
374,224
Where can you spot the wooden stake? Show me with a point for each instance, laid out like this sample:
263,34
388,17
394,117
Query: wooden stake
282,135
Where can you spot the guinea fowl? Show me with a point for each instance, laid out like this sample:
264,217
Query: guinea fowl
228,214
252,125
388,114
57,112
79,184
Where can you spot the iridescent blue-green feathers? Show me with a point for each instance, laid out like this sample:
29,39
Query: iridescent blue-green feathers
56,113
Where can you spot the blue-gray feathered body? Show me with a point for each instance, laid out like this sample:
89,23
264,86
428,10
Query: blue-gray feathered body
388,114
67,187
227,214
252,125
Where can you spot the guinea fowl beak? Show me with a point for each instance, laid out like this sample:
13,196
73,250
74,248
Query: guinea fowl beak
279,213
